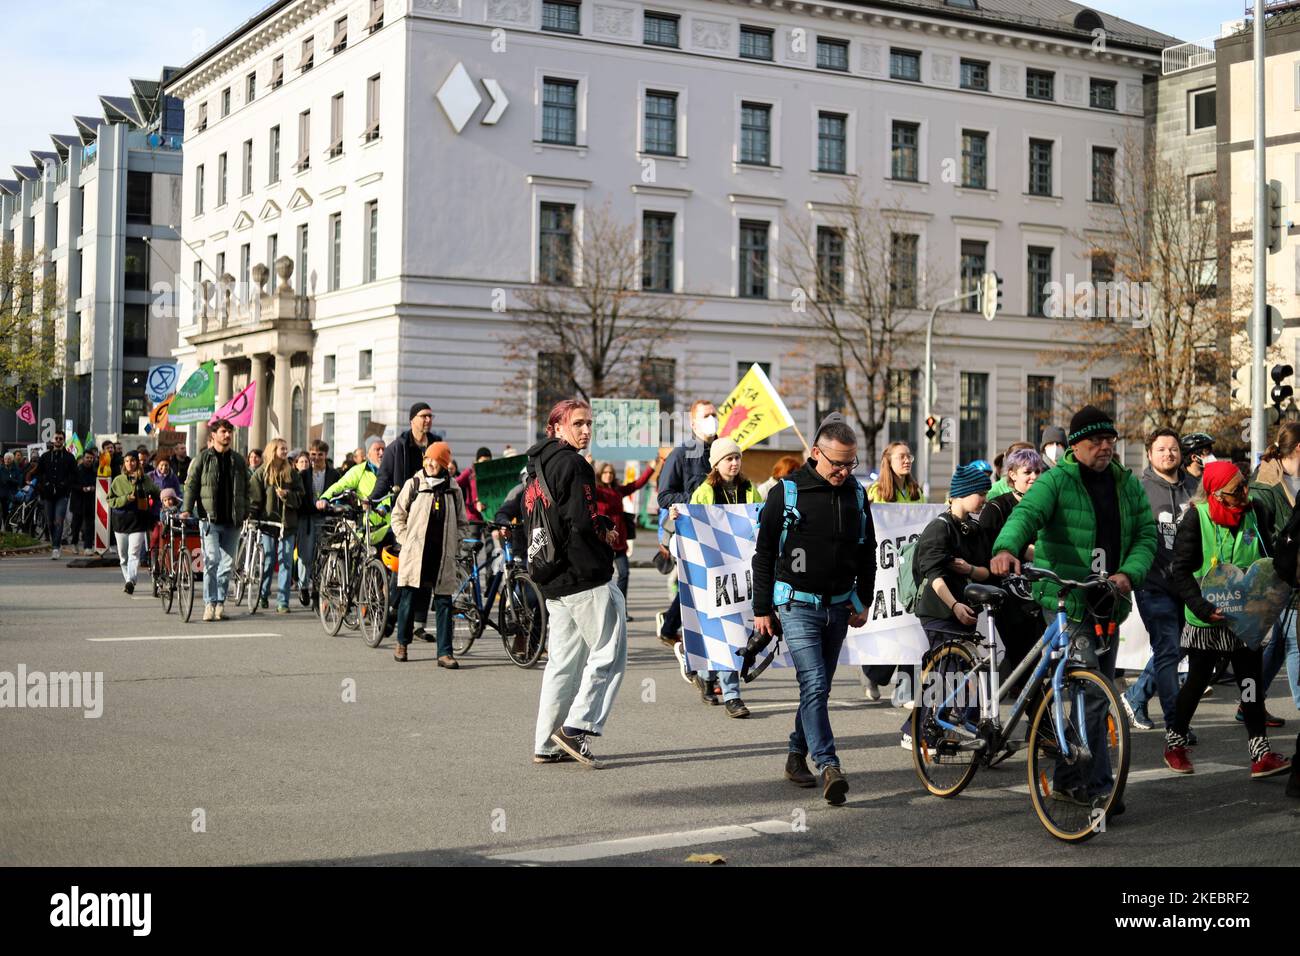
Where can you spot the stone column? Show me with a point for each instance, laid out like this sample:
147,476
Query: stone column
281,402
257,430
225,382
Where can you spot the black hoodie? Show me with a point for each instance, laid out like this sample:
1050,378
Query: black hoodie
570,478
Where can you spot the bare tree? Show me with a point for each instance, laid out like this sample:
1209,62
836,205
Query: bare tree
592,316
31,341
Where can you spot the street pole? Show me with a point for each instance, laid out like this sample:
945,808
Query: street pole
1258,317
928,387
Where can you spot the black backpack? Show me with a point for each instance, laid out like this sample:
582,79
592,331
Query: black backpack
545,545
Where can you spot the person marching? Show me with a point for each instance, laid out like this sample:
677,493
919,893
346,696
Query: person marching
218,486
129,496
1225,528
609,502
274,494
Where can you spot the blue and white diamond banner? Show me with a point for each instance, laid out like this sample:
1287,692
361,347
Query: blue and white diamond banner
714,545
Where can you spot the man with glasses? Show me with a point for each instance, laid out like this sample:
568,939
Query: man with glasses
404,455
815,569
316,479
56,476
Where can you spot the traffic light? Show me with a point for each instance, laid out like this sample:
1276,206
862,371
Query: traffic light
1241,385
990,295
1274,216
929,426
1281,392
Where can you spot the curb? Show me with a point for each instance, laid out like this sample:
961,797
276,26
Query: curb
16,552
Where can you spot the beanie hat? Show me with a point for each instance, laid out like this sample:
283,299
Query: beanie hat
1053,435
440,452
417,408
969,480
720,449
1091,422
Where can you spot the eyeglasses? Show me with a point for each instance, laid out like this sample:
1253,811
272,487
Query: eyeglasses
904,456
837,465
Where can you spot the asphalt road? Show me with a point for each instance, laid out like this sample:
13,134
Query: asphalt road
242,725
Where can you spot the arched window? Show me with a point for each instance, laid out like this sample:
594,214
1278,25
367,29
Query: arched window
1088,20
297,420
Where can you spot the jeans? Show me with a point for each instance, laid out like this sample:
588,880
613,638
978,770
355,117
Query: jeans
130,548
1163,617
83,529
814,637
219,544
281,550
306,538
587,644
621,572
1283,650
729,681
672,618
54,513
1101,779
412,602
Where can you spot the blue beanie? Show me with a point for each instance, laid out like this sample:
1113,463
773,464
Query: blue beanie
969,480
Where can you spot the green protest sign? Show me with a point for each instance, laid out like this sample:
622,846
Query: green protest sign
625,428
494,480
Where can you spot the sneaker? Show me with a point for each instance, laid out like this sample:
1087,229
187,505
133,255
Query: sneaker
906,742
1075,795
736,708
630,619
1176,759
399,653
705,688
263,603
1208,692
1138,718
1269,765
304,597
834,786
576,747
1269,719
208,611
56,554
282,609
558,757
659,623
129,587
218,612
679,652
797,772
870,689
424,635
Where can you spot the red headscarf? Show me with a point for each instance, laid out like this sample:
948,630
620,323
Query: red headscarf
1217,476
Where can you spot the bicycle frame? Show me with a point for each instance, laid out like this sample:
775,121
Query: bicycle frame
481,603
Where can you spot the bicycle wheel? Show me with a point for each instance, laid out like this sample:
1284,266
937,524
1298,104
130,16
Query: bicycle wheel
944,765
40,531
372,602
523,621
332,597
256,558
1073,794
466,621
239,583
184,583
165,575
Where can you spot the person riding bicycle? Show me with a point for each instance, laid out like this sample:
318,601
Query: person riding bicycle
362,479
1089,514
218,486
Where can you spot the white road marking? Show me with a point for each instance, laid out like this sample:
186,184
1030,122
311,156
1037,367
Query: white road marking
643,844
176,637
1158,773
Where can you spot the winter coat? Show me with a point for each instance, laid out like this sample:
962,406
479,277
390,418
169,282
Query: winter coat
56,474
411,516
1056,516
1168,502
128,517
609,502
11,479
684,470
265,504
307,507
707,494
942,541
171,481
587,560
201,486
83,502
402,459
1269,486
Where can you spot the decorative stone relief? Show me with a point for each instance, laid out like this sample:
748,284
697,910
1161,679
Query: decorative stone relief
1073,88
872,59
510,11
712,35
1132,98
446,8
1010,79
941,67
612,21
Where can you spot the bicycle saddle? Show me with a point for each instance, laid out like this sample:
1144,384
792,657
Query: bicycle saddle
984,595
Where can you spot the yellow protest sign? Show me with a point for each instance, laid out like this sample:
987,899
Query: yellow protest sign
753,411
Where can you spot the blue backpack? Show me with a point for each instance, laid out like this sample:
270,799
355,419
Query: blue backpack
784,592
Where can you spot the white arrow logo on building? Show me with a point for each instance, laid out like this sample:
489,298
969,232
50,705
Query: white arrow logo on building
459,98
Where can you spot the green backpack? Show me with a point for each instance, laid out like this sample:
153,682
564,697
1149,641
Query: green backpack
909,588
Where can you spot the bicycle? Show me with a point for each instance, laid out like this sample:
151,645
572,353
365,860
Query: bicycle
352,583
173,566
521,609
247,576
28,517
957,725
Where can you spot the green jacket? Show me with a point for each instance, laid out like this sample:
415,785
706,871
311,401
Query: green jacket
127,516
1000,487
1268,488
361,479
876,496
263,502
1057,517
706,494
201,486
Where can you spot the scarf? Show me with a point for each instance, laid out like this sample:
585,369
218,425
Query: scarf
1218,475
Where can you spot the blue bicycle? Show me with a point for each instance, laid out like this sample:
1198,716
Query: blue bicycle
1078,736
520,607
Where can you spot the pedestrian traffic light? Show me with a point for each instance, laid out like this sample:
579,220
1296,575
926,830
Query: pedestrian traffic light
929,426
990,297
1281,392
1241,385
1274,216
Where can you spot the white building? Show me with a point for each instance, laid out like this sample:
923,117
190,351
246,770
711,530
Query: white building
315,130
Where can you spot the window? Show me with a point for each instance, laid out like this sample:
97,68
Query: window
830,266
336,126
657,251
1103,390
1201,109
221,268
363,422
139,197
753,259
372,110
974,75
659,380
902,412
340,42
250,88
972,438
136,264
964,4
555,244
974,263
832,54
376,18
336,250
905,65
1103,274
904,154
560,111
245,277
247,181
273,156
1038,407
277,72
560,17
134,404
1040,84
755,43
365,364
301,268
830,391
756,134
372,240
202,123
1040,167
661,29
304,141
974,159
1103,175
327,428
1200,191
135,330
308,55
661,123
554,382
297,419
173,119
832,137
902,271
225,102
196,288
331,367
1040,274
222,165
1101,94
198,190
272,253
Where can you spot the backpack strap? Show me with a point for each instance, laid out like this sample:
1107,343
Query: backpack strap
862,511
791,516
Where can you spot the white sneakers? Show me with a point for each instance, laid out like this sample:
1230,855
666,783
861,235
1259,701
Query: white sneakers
870,689
218,612
208,611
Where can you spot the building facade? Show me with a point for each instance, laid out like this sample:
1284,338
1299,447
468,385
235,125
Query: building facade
419,160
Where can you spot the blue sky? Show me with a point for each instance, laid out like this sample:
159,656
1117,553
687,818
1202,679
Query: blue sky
71,51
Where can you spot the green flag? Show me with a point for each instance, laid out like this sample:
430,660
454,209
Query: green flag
196,400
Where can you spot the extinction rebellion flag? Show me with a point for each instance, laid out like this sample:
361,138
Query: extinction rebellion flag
197,398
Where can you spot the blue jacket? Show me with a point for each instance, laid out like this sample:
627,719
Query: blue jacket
684,470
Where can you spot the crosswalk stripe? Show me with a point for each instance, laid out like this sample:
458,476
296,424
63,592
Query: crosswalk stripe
643,844
175,637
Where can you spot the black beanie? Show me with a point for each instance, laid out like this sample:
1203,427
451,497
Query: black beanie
1090,422
417,408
